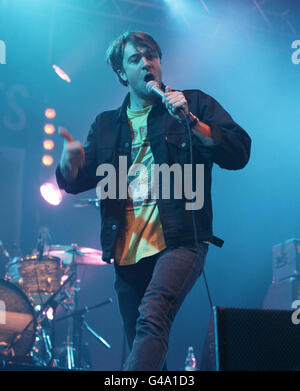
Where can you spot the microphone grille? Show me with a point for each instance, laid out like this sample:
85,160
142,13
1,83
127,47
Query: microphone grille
150,85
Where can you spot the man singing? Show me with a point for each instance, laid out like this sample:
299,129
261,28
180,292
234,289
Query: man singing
158,243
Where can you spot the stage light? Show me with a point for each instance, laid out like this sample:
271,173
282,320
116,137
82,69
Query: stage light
48,144
51,194
63,279
49,128
47,160
50,312
50,113
176,5
61,73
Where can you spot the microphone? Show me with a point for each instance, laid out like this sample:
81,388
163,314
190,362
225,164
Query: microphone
153,87
42,241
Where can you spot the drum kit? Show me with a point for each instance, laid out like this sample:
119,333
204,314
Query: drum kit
30,293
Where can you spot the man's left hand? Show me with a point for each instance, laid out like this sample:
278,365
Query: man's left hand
174,101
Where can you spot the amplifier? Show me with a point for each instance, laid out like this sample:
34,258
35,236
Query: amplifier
286,260
251,340
281,294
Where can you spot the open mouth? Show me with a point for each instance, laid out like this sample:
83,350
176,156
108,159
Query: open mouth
148,77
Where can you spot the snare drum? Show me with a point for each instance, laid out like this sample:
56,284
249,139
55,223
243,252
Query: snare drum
38,278
17,322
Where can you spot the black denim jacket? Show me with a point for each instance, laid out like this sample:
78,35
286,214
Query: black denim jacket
110,137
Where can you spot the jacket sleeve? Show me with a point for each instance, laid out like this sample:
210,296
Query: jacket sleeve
86,178
231,148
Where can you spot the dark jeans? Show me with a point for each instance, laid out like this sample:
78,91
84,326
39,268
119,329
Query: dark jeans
150,294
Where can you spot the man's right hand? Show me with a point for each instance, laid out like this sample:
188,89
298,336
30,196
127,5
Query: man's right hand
72,156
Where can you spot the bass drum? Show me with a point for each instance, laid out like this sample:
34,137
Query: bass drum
17,323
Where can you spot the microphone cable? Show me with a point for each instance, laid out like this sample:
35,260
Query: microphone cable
189,131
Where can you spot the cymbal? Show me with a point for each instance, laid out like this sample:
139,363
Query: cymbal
83,255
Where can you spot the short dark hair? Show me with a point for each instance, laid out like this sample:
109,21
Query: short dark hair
115,52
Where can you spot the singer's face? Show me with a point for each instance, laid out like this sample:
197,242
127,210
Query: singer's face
140,65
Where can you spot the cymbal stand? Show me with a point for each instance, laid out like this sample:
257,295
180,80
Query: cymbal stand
49,342
79,320
74,337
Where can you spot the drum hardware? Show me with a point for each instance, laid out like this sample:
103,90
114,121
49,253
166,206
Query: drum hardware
72,256
41,279
42,350
43,239
4,251
38,278
19,320
78,256
84,202
75,349
9,349
49,342
84,255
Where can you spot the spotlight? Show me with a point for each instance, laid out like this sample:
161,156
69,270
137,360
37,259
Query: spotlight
47,160
176,5
48,144
51,194
61,73
50,312
50,113
49,128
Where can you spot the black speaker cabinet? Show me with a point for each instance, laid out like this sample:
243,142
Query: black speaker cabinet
251,340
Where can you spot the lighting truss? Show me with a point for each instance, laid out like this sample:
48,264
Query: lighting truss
274,16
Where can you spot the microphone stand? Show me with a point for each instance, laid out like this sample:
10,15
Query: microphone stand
81,323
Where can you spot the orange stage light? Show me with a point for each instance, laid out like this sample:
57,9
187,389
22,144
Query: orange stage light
49,128
50,113
47,160
48,144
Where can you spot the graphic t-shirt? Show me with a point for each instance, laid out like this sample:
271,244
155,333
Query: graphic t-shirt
141,233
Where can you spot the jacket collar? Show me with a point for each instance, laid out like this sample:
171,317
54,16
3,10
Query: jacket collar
122,110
